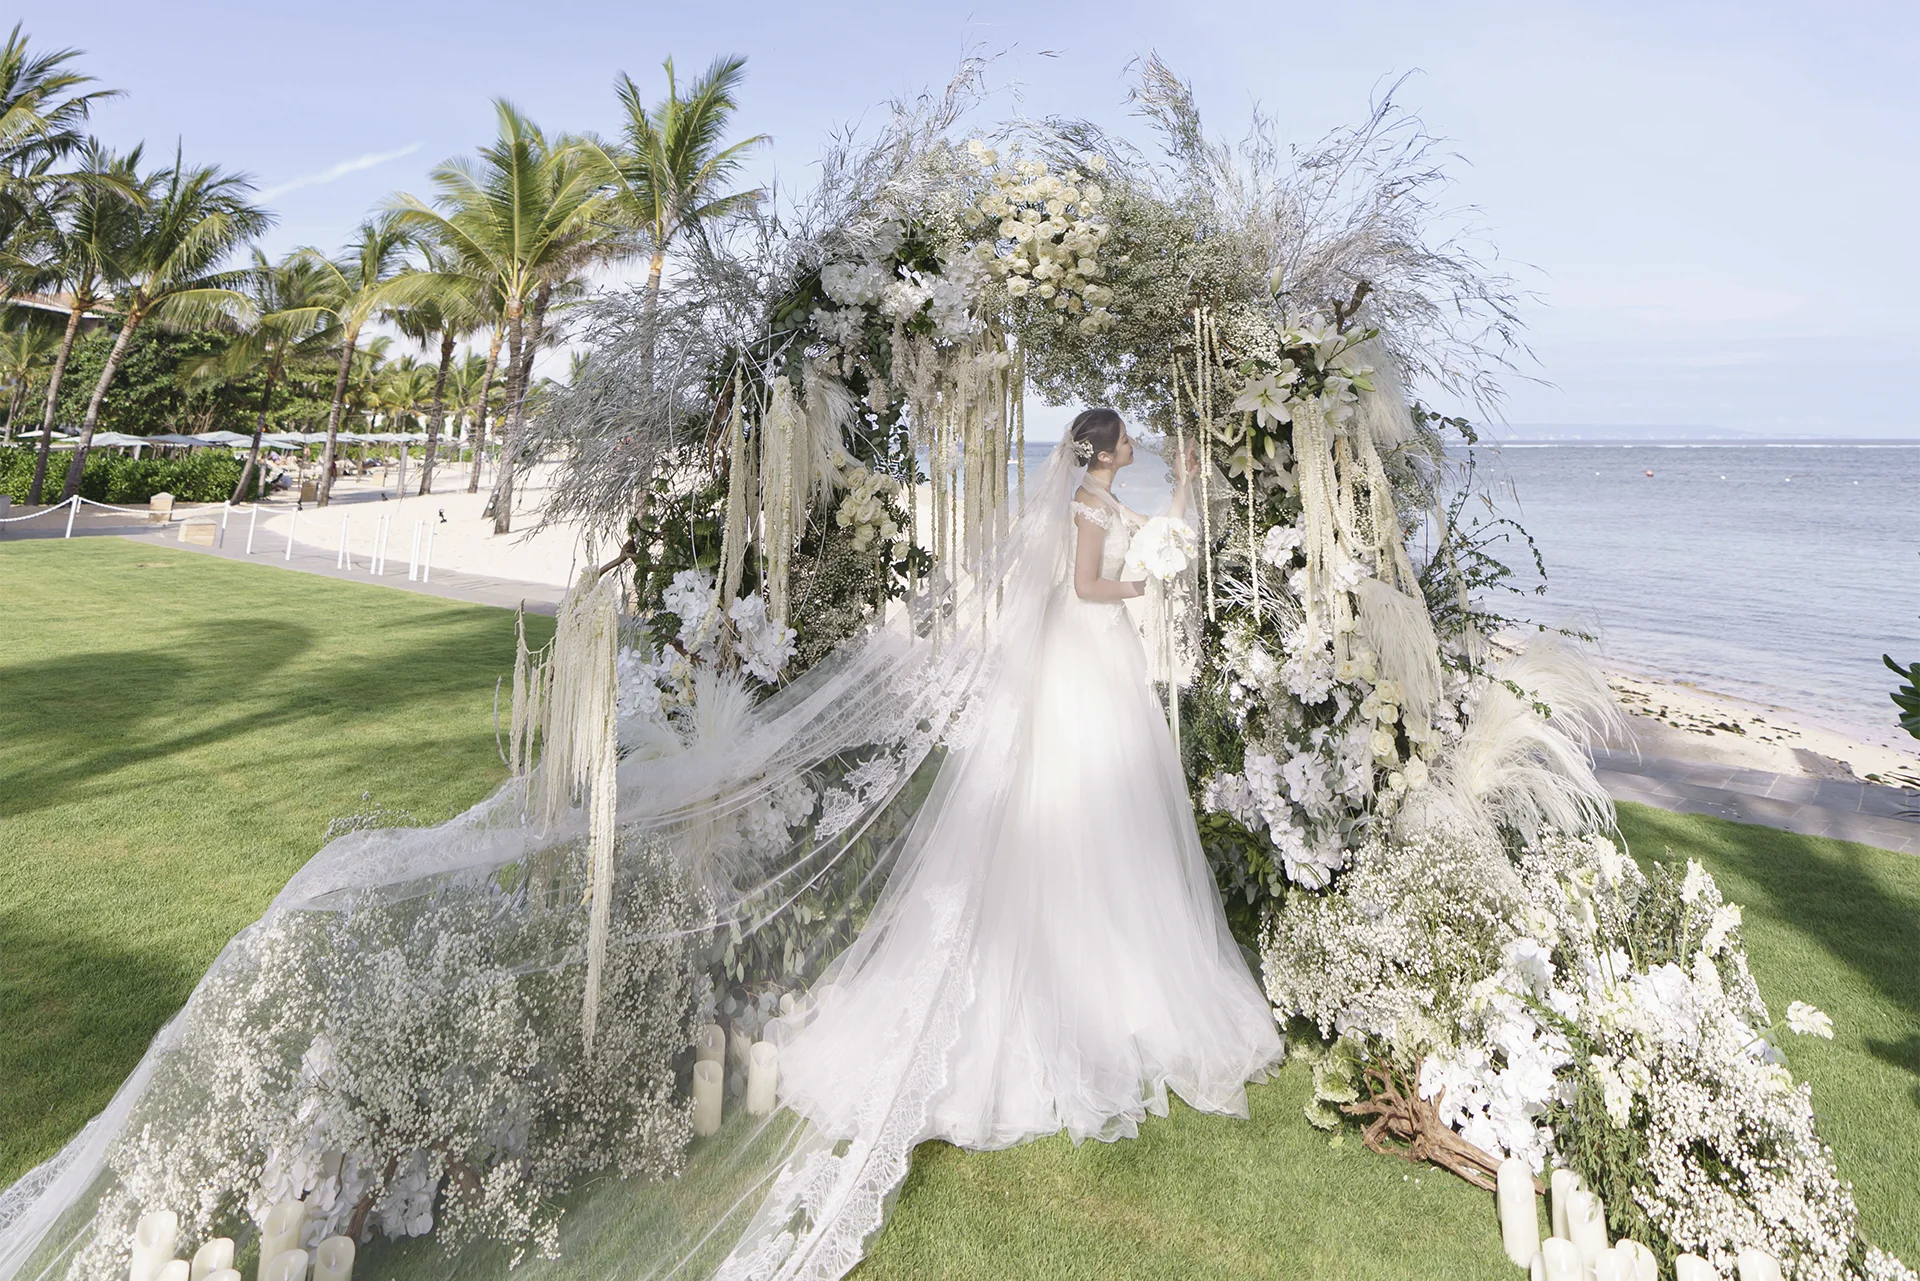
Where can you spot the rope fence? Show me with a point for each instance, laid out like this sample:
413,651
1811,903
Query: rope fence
419,558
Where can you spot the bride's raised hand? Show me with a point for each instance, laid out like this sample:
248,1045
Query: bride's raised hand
1186,461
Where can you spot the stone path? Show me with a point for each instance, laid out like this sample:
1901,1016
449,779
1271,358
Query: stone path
1888,817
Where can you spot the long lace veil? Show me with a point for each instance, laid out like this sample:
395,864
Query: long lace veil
397,1043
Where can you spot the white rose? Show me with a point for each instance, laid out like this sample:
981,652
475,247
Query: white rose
1097,163
1018,287
1046,291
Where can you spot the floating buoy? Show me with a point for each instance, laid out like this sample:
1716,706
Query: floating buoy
1649,471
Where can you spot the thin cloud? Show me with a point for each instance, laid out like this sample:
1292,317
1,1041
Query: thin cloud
338,171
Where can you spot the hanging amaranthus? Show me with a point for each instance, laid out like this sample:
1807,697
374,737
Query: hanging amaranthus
780,514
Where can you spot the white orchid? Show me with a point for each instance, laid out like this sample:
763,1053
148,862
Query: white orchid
1805,1020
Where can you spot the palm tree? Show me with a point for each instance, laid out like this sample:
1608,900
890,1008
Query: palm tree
358,287
25,350
456,309
40,112
95,220
518,219
469,389
669,172
193,219
289,322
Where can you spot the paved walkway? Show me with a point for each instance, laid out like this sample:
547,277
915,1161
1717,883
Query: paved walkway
1888,817
480,589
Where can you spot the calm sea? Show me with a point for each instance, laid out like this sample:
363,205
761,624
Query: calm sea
1778,573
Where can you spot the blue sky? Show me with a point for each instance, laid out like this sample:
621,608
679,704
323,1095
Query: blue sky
1713,201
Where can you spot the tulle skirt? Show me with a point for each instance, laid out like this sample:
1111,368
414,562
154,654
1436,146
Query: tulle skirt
1097,970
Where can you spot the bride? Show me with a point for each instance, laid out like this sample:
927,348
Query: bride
1050,952
1101,968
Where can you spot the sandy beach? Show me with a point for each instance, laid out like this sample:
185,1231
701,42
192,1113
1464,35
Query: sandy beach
1681,721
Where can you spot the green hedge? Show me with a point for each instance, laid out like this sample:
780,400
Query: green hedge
203,476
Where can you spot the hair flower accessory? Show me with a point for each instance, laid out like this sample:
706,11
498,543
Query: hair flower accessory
1083,450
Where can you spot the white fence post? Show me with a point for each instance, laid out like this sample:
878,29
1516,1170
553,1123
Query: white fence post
426,562
340,560
226,510
253,518
413,557
293,527
73,508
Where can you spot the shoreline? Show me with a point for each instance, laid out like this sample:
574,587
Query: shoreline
1679,720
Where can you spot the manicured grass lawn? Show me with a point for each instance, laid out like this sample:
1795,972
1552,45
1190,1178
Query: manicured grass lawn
1828,922
175,732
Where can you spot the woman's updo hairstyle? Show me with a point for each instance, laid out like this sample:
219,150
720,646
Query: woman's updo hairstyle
1094,432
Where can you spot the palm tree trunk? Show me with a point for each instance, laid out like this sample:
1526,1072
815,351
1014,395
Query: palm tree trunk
13,406
501,501
259,430
333,419
480,415
437,423
53,400
114,357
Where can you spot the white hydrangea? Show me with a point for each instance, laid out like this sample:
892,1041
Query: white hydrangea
854,284
764,647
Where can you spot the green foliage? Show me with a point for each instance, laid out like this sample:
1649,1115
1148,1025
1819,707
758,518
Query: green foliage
203,476
150,392
1907,697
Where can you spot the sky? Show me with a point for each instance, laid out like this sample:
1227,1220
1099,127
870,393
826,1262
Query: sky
1710,204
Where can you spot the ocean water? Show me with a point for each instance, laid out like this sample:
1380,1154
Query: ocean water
1778,573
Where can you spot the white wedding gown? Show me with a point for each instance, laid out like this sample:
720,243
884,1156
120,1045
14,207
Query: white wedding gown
1098,971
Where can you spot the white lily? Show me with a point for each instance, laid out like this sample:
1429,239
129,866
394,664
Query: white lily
1266,397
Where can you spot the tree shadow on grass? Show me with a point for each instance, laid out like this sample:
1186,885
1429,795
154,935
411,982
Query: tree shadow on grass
67,1050
1822,889
76,720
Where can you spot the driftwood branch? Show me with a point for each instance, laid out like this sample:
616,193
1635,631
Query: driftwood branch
1346,311
1396,1115
628,551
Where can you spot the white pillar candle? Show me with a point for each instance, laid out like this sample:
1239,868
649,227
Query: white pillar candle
1563,1261
1587,1225
789,1002
224,1274
709,1044
1519,1217
153,1239
739,1048
706,1097
1758,1265
1563,1184
288,1265
1607,1268
1537,1270
763,1077
1691,1267
333,1259
281,1232
174,1270
1637,1262
211,1257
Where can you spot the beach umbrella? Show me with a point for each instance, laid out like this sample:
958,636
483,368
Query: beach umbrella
222,438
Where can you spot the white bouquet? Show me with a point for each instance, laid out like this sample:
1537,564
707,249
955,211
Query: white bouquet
1163,548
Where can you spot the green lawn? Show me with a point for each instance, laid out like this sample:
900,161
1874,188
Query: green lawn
176,730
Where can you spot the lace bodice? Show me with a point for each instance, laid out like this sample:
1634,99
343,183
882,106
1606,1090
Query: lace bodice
1119,522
